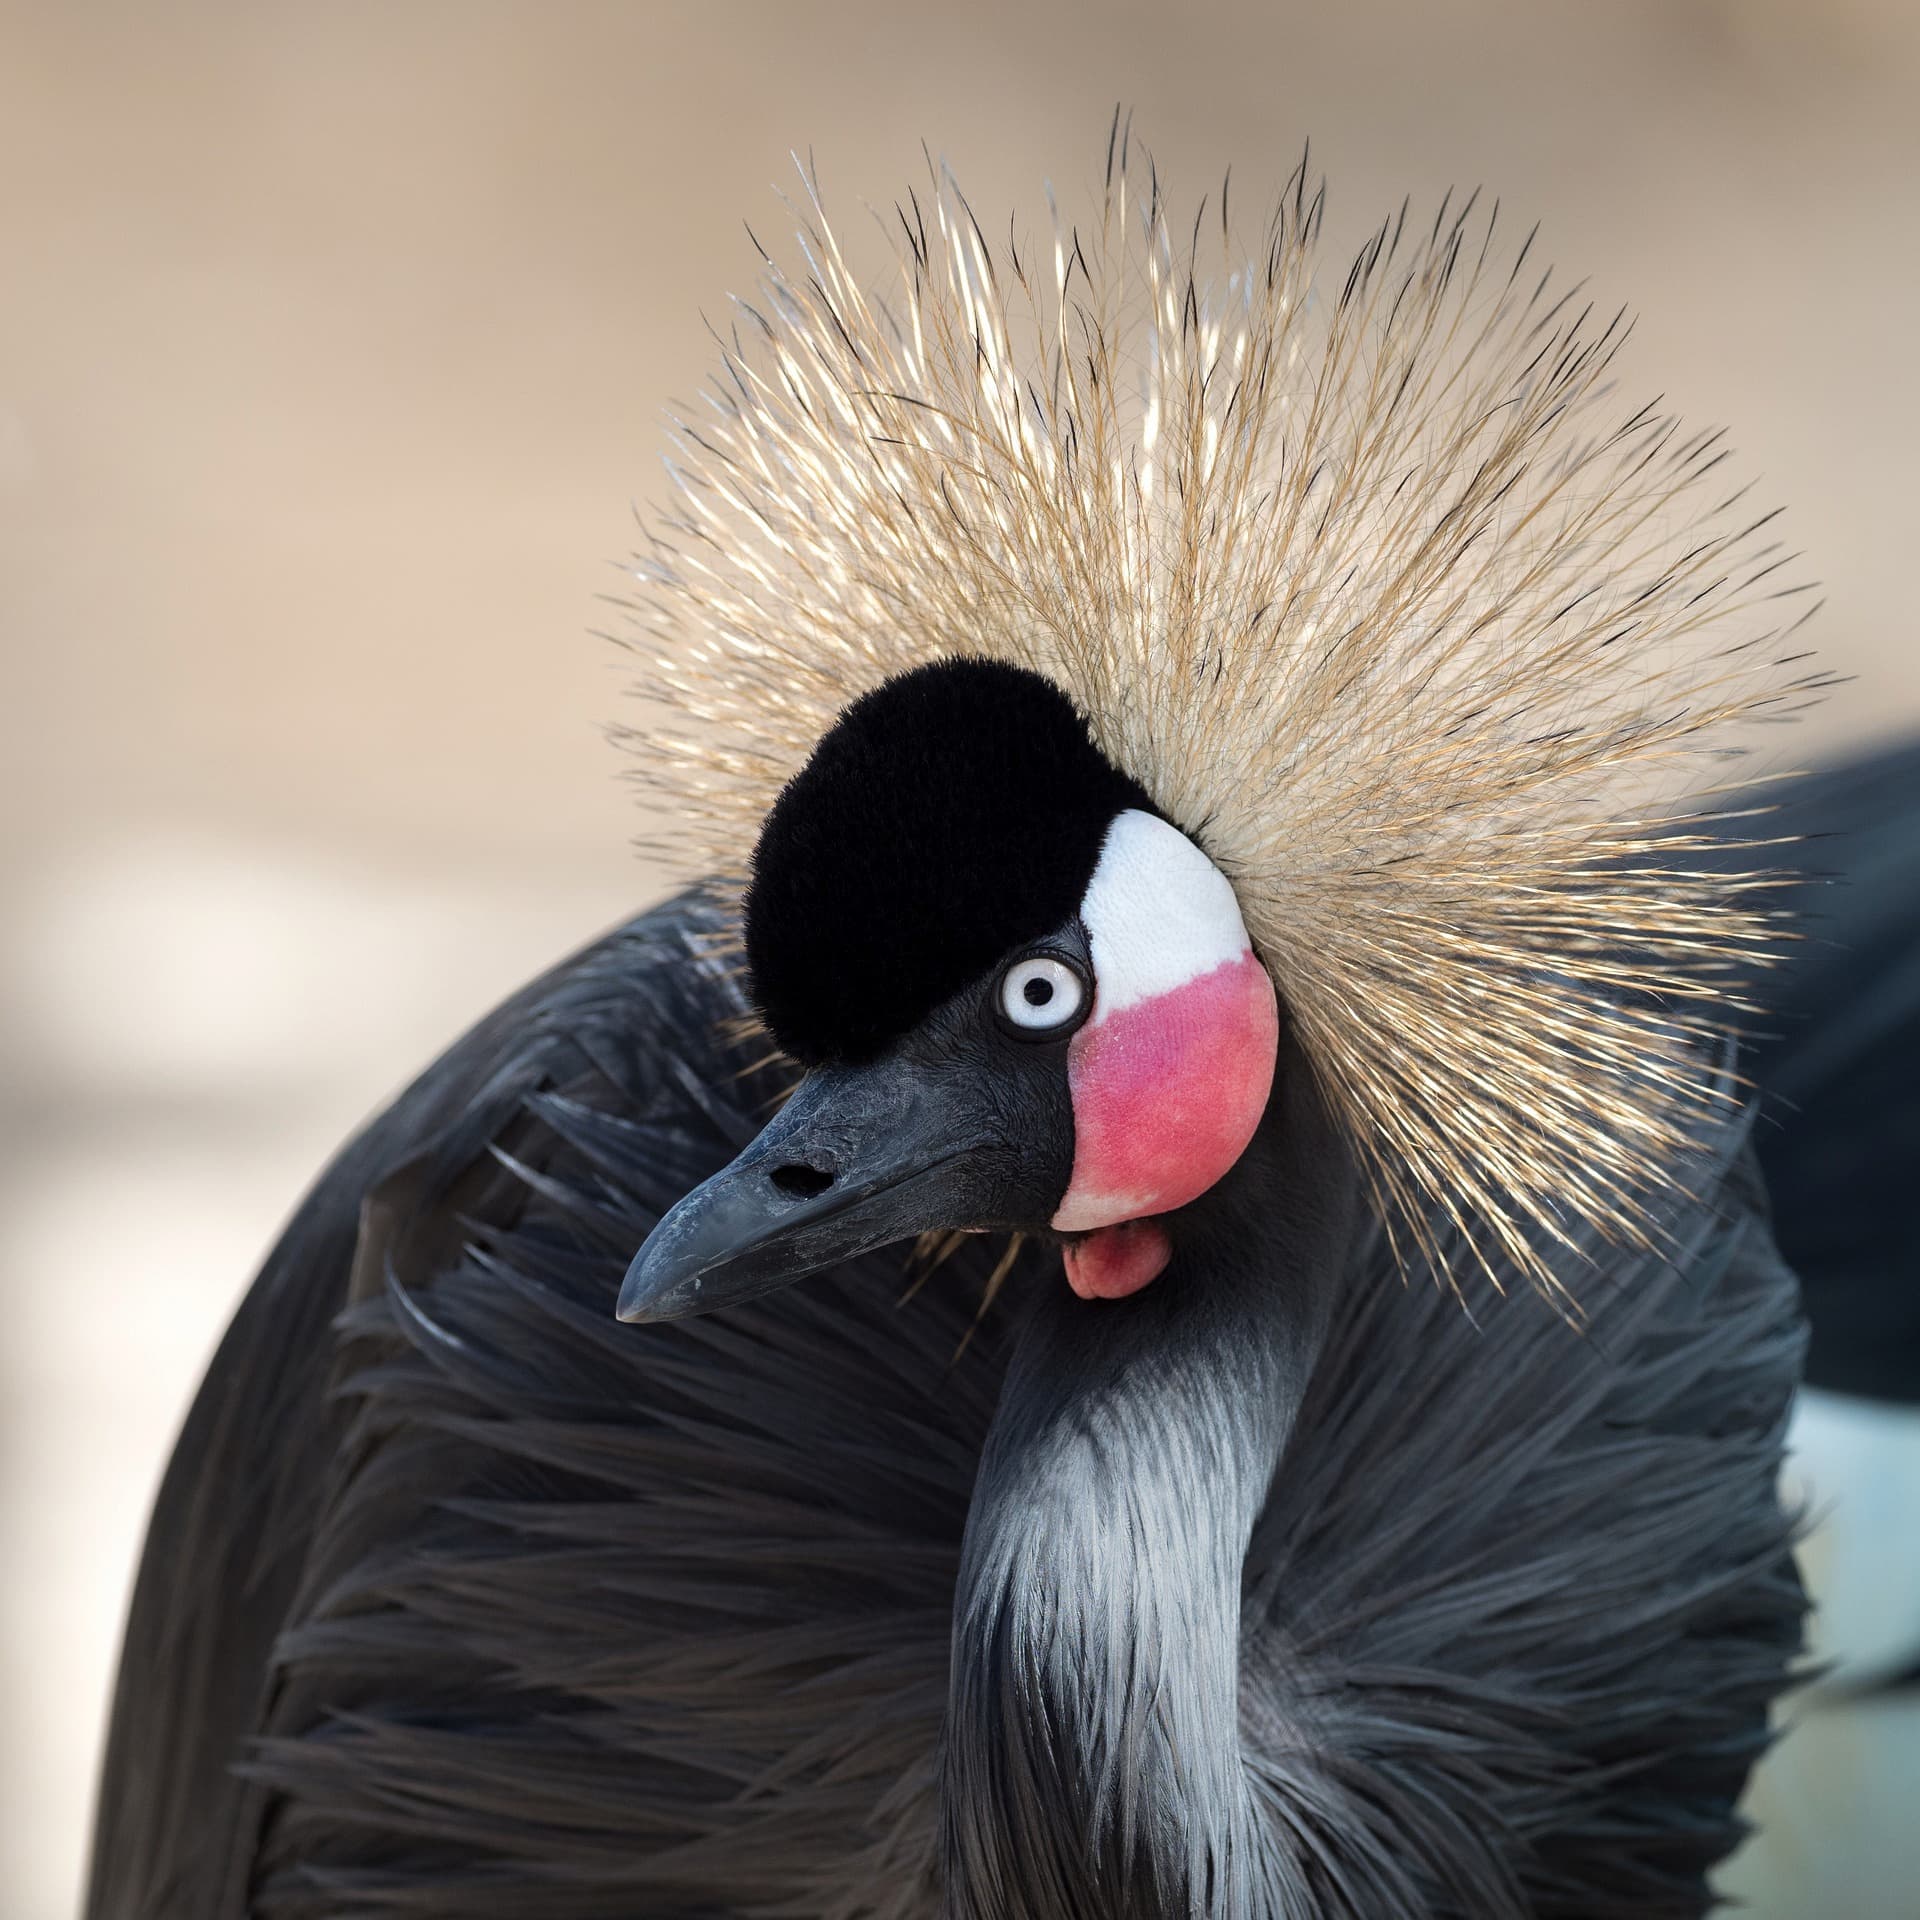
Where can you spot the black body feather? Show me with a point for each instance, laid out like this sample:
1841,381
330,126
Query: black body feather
462,1599
1838,1057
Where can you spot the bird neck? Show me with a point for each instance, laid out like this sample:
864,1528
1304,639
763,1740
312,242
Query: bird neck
1093,1756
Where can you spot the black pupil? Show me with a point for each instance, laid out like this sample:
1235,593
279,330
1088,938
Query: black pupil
1037,992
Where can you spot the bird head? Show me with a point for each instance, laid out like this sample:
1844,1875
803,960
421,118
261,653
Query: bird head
1081,621
1025,1000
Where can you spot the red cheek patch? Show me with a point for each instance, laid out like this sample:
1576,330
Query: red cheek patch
1166,1094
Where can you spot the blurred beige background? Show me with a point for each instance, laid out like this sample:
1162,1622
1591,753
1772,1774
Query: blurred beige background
333,343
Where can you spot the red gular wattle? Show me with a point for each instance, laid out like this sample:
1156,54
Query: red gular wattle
1113,1262
1167,1092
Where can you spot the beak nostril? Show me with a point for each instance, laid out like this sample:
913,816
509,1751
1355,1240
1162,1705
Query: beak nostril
804,1182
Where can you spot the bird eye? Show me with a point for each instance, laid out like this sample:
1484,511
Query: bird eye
1042,995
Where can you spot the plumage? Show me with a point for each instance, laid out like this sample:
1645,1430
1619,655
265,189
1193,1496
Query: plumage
580,1620
1837,1048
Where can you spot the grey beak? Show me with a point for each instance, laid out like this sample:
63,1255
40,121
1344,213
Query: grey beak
858,1157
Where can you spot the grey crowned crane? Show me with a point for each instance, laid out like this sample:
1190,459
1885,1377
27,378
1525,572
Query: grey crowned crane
1188,758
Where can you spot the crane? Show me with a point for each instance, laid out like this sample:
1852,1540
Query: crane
1198,857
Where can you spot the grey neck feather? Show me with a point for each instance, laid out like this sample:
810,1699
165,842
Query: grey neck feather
1092,1763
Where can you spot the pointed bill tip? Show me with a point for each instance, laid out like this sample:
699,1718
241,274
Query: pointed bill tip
702,1255
643,1298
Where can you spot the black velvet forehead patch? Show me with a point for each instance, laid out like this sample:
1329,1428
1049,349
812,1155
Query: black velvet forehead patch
950,815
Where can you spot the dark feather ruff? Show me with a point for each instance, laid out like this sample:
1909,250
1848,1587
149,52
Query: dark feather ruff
586,1621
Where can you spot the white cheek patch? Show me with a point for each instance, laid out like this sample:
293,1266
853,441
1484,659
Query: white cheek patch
1158,913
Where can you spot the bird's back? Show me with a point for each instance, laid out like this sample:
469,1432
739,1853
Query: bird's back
1838,1057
